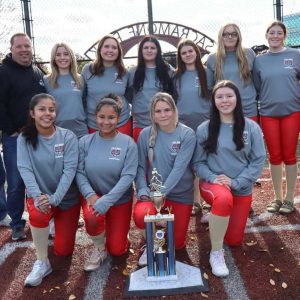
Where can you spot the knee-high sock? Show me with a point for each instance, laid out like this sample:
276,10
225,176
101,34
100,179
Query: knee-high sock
99,241
291,179
217,229
197,197
276,174
40,238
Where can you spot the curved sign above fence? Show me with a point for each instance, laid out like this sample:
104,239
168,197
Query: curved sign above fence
169,32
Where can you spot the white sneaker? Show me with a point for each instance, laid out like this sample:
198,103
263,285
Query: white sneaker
40,270
5,222
52,228
218,264
143,258
95,260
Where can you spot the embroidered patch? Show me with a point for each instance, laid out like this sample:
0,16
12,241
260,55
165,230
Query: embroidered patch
245,137
59,150
288,63
175,147
115,153
118,80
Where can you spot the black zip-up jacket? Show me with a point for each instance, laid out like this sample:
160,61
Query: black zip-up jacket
18,84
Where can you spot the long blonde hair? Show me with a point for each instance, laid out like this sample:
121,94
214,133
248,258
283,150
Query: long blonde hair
167,98
240,54
53,76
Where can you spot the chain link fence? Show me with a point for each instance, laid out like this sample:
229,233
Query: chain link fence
82,23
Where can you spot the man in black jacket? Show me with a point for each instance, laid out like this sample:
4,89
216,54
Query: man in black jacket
20,81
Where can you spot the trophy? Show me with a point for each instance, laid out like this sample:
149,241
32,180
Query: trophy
160,235
163,275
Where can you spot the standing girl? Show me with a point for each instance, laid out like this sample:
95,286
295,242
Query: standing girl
47,160
190,80
229,157
106,183
167,146
277,75
193,98
235,63
64,84
107,74
151,75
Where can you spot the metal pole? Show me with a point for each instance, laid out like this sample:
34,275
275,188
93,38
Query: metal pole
150,16
278,9
27,22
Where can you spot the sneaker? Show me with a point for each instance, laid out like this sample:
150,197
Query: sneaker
274,206
51,229
196,208
40,270
143,258
217,262
18,234
205,218
287,207
95,260
6,221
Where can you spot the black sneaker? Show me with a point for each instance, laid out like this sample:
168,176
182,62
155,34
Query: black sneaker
18,234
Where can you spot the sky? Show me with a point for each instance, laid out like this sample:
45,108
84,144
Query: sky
81,23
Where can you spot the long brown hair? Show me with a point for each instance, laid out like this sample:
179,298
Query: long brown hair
181,67
97,67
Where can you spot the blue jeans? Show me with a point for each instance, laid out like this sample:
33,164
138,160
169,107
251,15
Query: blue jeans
3,211
15,185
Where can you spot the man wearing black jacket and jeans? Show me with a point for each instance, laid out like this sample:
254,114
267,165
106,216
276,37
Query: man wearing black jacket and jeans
20,81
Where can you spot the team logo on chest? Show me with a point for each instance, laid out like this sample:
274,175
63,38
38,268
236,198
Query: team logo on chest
59,150
117,79
245,137
175,147
288,63
74,85
115,153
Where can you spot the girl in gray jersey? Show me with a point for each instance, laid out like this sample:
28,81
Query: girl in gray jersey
229,157
233,62
167,146
277,75
106,170
151,75
107,74
47,158
193,98
65,85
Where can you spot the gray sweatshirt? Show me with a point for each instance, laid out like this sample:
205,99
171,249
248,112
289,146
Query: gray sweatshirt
99,86
192,108
231,72
70,111
141,100
51,168
276,77
173,152
107,167
243,166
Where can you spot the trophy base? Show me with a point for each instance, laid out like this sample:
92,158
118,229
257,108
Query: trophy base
189,280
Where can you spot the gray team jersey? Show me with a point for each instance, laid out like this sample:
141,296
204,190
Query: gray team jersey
51,168
276,77
192,108
98,86
231,72
107,167
173,152
141,100
70,112
243,166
